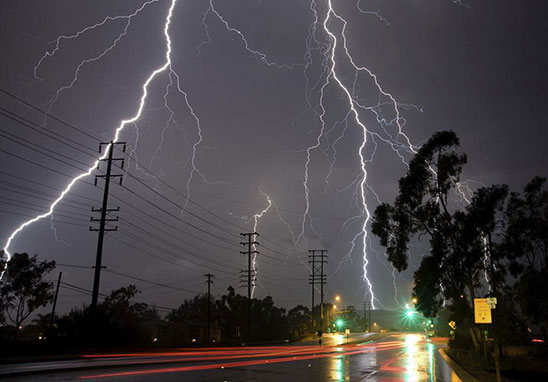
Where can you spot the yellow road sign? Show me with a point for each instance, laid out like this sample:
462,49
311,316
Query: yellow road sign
482,311
453,325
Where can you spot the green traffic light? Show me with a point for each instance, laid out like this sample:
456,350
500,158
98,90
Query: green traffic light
410,313
340,323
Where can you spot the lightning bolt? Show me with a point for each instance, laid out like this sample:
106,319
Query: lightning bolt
259,56
329,74
372,13
399,142
58,41
333,74
165,67
256,219
52,226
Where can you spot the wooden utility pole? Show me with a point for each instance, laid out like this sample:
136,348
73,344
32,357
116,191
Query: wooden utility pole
209,282
318,259
103,220
250,243
54,302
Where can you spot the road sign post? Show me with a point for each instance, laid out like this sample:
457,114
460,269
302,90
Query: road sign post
482,311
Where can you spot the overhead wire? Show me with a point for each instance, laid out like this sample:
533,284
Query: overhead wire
140,164
131,175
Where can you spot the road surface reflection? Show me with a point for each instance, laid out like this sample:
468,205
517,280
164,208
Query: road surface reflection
397,357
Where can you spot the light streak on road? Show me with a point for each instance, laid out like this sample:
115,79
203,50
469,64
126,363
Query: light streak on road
289,355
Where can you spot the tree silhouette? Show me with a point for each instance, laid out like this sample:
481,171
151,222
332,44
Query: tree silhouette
23,289
459,239
526,246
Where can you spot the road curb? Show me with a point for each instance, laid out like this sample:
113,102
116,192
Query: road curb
458,369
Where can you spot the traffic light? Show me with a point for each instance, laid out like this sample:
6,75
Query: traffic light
410,313
340,323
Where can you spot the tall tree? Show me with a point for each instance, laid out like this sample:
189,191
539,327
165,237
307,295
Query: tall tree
422,208
459,238
526,245
23,289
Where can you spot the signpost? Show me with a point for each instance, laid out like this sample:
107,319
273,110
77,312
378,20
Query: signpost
482,310
482,315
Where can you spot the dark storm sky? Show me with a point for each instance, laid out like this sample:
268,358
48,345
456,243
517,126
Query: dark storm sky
480,70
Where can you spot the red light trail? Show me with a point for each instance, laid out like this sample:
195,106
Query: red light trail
280,354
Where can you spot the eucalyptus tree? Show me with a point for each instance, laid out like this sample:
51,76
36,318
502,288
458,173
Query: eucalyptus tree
460,238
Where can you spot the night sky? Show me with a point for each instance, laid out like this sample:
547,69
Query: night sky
479,68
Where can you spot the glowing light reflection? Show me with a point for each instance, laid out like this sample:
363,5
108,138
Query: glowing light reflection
412,365
339,339
430,348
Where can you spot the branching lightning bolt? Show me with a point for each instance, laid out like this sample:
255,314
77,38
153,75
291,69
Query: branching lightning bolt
399,142
165,67
75,78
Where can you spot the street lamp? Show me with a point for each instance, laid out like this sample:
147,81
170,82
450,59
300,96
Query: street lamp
337,298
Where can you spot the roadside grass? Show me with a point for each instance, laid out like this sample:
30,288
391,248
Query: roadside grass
524,363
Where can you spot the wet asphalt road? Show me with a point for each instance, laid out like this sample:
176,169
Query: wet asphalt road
396,357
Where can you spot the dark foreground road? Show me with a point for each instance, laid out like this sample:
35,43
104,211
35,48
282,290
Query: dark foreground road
396,357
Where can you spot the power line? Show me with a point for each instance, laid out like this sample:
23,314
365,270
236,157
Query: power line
134,193
35,163
170,244
54,220
149,281
40,129
131,175
131,224
96,201
46,186
149,171
111,271
135,159
104,296
152,245
14,138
